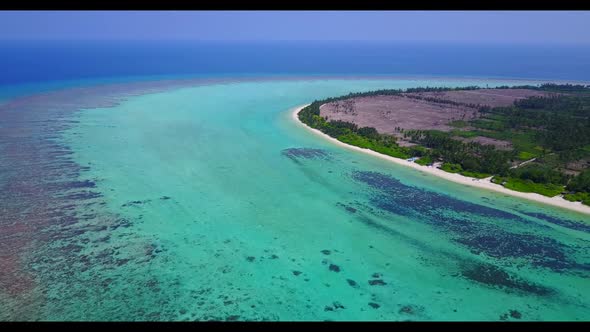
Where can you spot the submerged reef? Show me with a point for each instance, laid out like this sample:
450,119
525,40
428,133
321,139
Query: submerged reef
575,225
496,277
53,218
481,229
296,154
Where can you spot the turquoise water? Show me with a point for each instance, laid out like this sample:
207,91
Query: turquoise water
215,205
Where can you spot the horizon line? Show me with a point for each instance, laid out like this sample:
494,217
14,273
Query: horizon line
295,40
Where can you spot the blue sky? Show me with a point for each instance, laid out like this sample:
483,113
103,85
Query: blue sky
535,27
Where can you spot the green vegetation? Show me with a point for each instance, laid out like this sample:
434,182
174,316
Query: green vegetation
528,186
476,174
580,183
464,134
458,123
457,168
381,146
451,168
539,173
472,157
426,160
555,130
524,155
583,197
579,188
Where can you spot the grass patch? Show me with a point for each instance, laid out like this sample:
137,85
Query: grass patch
488,124
524,155
495,117
426,160
475,174
456,168
458,124
464,134
451,168
528,186
363,142
522,141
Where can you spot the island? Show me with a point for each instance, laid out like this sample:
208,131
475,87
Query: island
528,141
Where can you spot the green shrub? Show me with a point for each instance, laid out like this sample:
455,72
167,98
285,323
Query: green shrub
451,168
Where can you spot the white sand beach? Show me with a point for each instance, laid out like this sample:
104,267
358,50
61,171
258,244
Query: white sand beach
458,178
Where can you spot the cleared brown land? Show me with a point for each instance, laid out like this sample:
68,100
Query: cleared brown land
412,111
385,113
499,144
489,97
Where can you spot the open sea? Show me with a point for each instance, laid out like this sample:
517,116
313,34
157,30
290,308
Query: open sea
167,181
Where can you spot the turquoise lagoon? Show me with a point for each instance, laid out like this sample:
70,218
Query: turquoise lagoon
231,211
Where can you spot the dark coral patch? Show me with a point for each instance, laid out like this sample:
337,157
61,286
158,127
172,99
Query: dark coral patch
121,222
512,313
411,309
407,309
334,267
540,251
250,258
377,282
134,203
325,252
374,305
493,276
575,225
352,283
121,262
83,195
74,185
305,153
515,314
337,305
296,273
334,306
350,209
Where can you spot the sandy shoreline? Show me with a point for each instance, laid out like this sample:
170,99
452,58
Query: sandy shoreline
458,178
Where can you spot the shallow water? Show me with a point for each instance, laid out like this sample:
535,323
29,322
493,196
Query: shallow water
208,202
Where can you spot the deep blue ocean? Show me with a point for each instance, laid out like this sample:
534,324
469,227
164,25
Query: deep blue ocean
26,62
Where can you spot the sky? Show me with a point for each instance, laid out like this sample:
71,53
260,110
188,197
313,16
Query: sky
534,27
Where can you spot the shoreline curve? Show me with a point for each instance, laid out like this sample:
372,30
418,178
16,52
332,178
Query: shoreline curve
556,201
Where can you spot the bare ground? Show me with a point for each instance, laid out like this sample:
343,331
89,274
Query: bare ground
489,97
412,111
385,113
